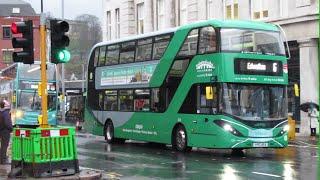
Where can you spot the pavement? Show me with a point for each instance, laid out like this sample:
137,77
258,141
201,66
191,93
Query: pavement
85,174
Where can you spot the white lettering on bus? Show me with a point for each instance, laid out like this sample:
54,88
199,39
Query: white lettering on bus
259,66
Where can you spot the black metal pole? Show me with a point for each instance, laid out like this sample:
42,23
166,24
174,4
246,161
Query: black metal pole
41,6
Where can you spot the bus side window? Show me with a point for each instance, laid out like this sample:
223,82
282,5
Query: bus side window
102,56
127,52
112,56
111,100
126,100
160,45
101,100
207,41
189,104
142,100
143,50
96,56
189,47
155,105
208,104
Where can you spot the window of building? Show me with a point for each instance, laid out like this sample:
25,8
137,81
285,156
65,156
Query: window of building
117,20
112,56
108,25
102,56
189,46
7,56
142,100
207,42
231,9
140,18
126,100
110,100
127,52
302,3
259,9
210,10
160,14
183,12
160,45
144,49
96,56
6,32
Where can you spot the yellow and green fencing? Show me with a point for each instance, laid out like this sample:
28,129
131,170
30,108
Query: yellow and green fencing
44,151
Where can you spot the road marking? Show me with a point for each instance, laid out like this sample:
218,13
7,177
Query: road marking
307,144
300,146
265,174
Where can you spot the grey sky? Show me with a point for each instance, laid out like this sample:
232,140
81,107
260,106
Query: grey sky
72,8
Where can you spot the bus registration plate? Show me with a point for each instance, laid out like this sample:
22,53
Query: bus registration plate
259,144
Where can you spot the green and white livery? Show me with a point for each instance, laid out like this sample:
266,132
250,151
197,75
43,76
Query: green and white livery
212,84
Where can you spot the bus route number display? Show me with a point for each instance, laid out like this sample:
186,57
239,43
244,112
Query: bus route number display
258,67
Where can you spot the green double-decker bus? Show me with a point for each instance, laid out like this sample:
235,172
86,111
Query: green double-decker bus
211,84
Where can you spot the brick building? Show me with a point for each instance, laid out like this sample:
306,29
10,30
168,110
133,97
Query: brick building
15,11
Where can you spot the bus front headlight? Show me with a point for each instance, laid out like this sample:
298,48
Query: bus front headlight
19,114
286,128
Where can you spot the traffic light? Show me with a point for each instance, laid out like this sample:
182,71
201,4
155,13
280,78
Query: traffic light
25,42
59,41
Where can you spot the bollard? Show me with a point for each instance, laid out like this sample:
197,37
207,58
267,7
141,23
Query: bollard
292,128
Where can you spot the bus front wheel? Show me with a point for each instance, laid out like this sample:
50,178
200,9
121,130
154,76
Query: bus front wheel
180,142
109,134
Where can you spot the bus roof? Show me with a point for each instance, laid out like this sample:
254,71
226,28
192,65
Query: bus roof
141,36
243,24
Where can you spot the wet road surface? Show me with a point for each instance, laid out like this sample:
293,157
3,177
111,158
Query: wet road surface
137,160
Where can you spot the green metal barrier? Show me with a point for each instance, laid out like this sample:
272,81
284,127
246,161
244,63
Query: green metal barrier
44,150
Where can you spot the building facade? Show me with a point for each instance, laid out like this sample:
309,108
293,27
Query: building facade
298,18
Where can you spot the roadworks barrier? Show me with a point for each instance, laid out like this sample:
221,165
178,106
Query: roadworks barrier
44,152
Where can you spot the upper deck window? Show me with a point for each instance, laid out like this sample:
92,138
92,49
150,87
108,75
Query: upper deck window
144,50
127,52
96,56
112,55
252,41
160,45
208,40
189,46
102,56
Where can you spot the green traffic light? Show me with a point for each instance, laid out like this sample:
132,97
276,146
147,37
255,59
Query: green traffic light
63,56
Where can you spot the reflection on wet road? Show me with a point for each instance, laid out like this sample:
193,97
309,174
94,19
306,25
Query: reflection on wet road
134,160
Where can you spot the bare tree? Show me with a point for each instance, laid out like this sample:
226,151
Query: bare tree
85,31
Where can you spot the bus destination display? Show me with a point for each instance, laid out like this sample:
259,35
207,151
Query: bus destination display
258,67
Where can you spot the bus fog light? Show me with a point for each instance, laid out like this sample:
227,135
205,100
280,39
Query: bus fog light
286,128
227,127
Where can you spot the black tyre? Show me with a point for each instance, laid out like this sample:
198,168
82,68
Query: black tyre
109,134
180,140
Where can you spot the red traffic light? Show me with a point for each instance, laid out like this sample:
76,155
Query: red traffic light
14,28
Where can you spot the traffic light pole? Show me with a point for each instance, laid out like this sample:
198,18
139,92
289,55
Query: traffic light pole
43,58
